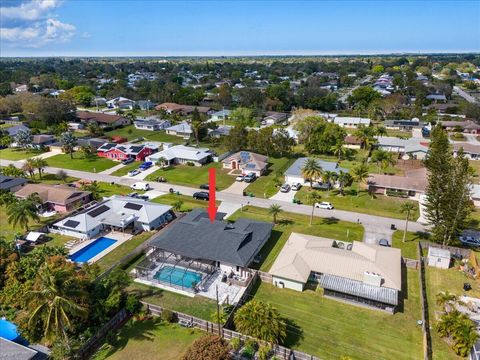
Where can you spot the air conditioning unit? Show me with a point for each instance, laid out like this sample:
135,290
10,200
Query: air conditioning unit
370,278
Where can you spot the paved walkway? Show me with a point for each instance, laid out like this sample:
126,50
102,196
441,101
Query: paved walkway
48,154
112,169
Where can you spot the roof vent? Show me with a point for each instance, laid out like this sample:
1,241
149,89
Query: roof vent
371,278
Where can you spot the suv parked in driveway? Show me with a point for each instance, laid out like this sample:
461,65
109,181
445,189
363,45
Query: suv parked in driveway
469,240
296,187
285,188
250,177
146,165
201,195
128,161
324,205
240,178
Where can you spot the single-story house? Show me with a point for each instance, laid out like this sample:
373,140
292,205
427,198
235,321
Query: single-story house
351,122
272,117
182,129
294,175
247,162
222,130
11,350
475,194
122,152
181,154
21,88
145,104
103,120
472,151
355,272
439,258
120,103
12,131
413,184
230,247
151,124
99,101
415,148
10,183
117,212
172,108
352,142
466,126
406,125
56,197
220,115
93,142
437,97
43,140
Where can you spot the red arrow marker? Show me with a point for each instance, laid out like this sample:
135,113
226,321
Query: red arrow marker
212,210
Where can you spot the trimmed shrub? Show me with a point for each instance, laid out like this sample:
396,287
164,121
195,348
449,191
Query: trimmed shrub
168,316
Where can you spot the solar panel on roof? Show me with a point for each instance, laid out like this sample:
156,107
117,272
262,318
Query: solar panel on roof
99,210
71,224
133,206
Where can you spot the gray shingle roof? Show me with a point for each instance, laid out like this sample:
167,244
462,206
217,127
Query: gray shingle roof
296,168
10,350
13,130
194,236
8,182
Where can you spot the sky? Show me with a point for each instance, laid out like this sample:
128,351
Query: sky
189,28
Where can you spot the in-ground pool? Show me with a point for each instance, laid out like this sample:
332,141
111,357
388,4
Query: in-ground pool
178,276
8,330
92,249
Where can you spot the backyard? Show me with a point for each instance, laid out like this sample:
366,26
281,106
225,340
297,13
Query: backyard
18,154
290,222
131,133
194,175
331,329
148,339
95,164
9,231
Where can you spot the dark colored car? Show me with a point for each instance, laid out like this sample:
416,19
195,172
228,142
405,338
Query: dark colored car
201,195
383,242
204,186
128,161
250,177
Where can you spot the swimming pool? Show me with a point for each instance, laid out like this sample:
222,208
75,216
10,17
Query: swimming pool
178,276
8,330
92,249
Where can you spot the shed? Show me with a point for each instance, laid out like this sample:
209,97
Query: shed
439,258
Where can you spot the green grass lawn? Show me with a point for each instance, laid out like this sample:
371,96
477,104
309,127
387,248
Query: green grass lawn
58,239
96,164
124,170
377,205
399,133
131,133
108,189
189,203
265,186
149,339
331,329
18,154
194,175
409,247
8,230
198,306
290,222
475,164
52,179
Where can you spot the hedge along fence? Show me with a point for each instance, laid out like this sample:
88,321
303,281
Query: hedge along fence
427,341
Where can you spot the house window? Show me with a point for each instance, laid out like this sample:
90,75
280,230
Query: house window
238,268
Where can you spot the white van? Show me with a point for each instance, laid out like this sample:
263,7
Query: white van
140,186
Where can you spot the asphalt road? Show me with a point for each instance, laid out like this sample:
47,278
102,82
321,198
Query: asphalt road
373,224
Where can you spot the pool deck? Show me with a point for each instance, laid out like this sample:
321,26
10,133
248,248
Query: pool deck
115,235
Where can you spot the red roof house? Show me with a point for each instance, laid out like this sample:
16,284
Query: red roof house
120,152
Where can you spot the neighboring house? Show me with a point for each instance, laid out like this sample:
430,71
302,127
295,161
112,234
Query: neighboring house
21,88
413,184
414,148
14,130
173,108
272,118
183,129
475,194
116,213
56,197
120,152
12,184
354,272
11,350
43,140
351,122
229,247
405,125
120,103
220,115
145,104
222,130
93,142
99,101
439,258
466,126
75,126
471,151
151,124
103,120
181,154
294,175
437,97
247,162
352,142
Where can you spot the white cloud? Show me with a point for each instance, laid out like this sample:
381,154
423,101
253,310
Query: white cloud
33,10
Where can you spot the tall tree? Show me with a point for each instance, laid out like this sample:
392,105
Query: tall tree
359,174
24,139
313,198
69,141
197,125
23,211
274,210
29,167
407,208
40,165
311,170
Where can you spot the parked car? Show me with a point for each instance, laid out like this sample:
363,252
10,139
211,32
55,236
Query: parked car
133,194
205,186
469,240
240,178
384,242
296,187
201,195
146,165
285,188
320,186
143,197
128,161
250,177
324,205
133,172
140,186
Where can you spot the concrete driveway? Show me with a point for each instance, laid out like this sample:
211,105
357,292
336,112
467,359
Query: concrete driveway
144,174
229,208
288,197
236,188
152,194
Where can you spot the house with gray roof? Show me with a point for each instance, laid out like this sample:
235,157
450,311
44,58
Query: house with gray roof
351,122
11,350
12,131
151,124
182,129
181,154
293,175
10,183
414,148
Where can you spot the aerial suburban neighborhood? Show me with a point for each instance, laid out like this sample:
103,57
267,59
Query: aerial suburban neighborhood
169,197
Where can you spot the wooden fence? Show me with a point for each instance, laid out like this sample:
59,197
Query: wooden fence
454,251
411,263
427,342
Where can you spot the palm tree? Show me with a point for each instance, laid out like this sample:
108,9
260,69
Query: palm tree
359,174
339,150
464,336
262,321
177,205
29,167
311,170
162,161
327,177
407,208
274,210
55,300
344,179
6,197
313,197
11,170
367,136
94,188
383,159
69,142
21,212
445,297
40,165
381,131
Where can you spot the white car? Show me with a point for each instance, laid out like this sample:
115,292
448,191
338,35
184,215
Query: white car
296,187
285,188
133,172
240,178
140,186
324,205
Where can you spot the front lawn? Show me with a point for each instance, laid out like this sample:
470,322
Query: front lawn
265,185
410,246
194,175
331,329
290,222
18,154
149,339
379,205
124,170
108,189
96,164
189,203
197,306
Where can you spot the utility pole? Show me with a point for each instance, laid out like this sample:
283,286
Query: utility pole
218,311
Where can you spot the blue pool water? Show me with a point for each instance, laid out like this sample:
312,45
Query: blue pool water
178,276
91,250
8,330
